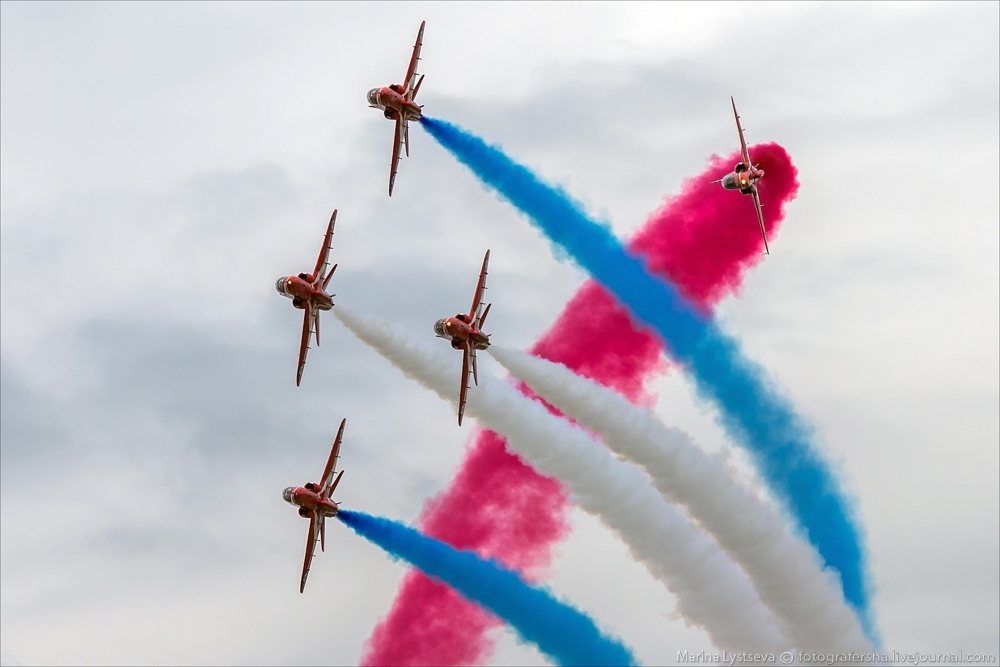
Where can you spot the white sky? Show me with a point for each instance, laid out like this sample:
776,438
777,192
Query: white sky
163,164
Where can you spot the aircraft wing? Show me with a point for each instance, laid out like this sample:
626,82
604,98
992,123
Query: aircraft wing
324,252
331,464
411,70
311,539
463,392
396,144
743,143
760,216
477,299
308,326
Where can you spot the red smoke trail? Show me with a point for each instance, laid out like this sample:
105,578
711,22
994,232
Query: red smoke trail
704,240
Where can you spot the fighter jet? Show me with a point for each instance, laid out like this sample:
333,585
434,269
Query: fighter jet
465,333
313,501
308,292
744,177
396,102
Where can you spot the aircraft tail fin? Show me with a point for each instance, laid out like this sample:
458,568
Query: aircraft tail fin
416,88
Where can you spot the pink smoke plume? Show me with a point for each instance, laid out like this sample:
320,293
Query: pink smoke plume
704,240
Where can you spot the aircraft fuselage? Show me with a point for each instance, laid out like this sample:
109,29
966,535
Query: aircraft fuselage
300,290
309,499
742,179
392,102
458,330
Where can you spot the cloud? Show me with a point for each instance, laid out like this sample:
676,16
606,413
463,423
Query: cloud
110,112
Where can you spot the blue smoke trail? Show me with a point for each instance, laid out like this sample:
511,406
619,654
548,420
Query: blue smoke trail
751,409
561,632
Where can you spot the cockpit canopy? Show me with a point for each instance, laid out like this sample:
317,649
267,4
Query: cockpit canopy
287,494
439,327
280,286
373,97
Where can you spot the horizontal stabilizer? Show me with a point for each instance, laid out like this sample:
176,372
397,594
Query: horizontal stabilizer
326,281
333,487
482,318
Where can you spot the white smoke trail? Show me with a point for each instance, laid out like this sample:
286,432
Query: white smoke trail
712,592
786,571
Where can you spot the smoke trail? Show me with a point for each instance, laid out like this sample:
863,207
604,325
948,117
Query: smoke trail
704,239
785,571
711,591
559,631
750,408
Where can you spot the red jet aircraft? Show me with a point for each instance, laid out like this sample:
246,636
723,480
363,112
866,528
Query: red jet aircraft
465,333
744,177
308,292
396,103
313,501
